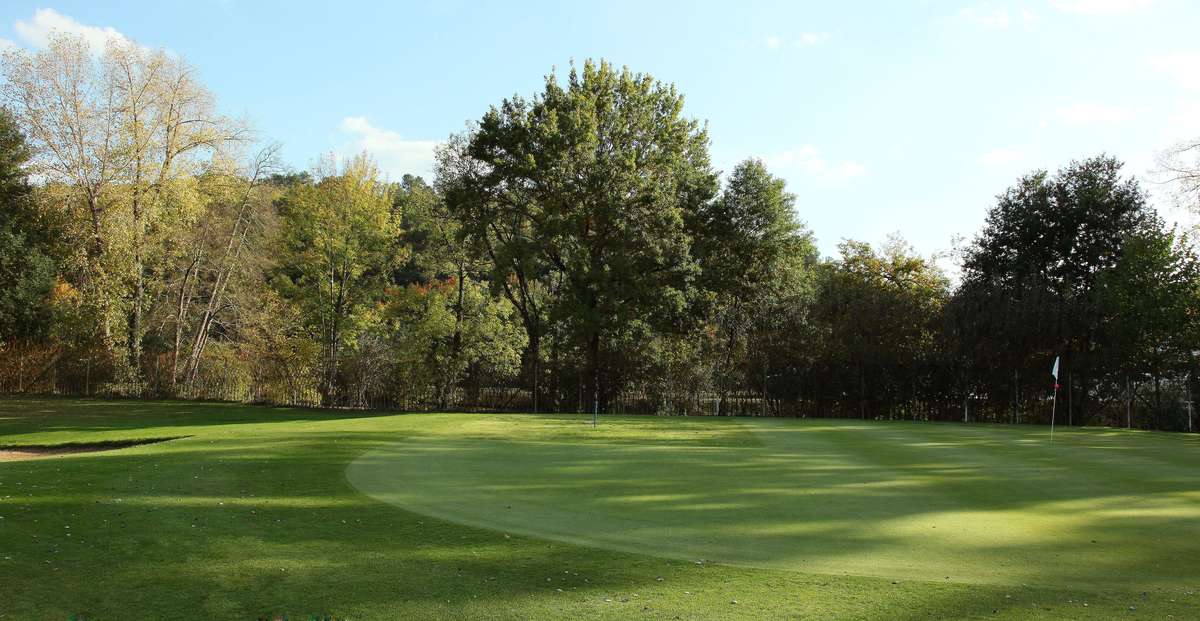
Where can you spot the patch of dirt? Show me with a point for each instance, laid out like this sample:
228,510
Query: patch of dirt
17,452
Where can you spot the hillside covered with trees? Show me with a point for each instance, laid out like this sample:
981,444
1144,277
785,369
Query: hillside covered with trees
575,251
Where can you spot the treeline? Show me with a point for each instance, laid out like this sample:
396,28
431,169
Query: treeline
575,251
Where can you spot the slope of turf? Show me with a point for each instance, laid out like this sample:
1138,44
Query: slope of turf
995,505
256,512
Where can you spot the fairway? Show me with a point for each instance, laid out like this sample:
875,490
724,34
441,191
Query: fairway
980,504
606,311
249,512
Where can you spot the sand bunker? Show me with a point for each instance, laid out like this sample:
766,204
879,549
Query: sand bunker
34,451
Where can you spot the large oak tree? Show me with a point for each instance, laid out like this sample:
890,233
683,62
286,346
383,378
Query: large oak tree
585,190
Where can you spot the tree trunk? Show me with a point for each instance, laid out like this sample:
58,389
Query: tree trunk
182,302
765,403
1070,391
139,276
139,291
225,269
96,250
1128,403
455,340
556,376
862,393
535,353
594,369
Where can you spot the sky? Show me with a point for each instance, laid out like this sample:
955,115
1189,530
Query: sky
885,117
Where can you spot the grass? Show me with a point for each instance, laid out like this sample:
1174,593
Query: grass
265,511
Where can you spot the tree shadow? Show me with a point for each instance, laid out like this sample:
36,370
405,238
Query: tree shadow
251,520
46,417
1009,513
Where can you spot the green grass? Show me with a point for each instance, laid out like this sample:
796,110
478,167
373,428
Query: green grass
263,511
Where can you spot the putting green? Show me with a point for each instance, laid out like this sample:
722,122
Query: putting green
983,504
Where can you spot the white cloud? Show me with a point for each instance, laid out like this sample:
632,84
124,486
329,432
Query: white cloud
805,39
1183,66
396,155
808,160
1002,157
36,32
1099,7
1028,18
1088,114
986,15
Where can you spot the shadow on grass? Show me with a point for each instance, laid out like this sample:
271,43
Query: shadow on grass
255,521
823,499
64,417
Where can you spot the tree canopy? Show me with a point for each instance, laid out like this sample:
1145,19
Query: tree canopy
576,250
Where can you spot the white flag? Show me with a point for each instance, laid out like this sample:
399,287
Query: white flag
1054,371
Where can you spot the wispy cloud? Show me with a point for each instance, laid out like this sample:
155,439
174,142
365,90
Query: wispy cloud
1099,7
36,31
807,159
396,155
1090,114
804,39
1183,66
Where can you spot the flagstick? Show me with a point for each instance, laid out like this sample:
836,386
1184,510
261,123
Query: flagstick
1054,402
1053,406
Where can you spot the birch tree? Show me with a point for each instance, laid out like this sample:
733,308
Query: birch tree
227,247
118,126
1179,166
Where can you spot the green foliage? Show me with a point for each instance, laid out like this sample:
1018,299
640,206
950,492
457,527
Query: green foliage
442,333
756,275
748,239
337,247
590,183
878,316
286,362
28,244
26,279
1148,305
1076,265
576,250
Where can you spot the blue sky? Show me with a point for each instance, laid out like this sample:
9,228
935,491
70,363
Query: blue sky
903,116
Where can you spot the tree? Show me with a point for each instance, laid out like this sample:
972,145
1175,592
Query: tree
1048,245
496,214
222,250
590,183
755,263
30,243
120,129
1148,307
1180,167
452,325
446,330
284,360
879,315
338,247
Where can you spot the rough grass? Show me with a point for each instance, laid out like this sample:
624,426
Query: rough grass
259,512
